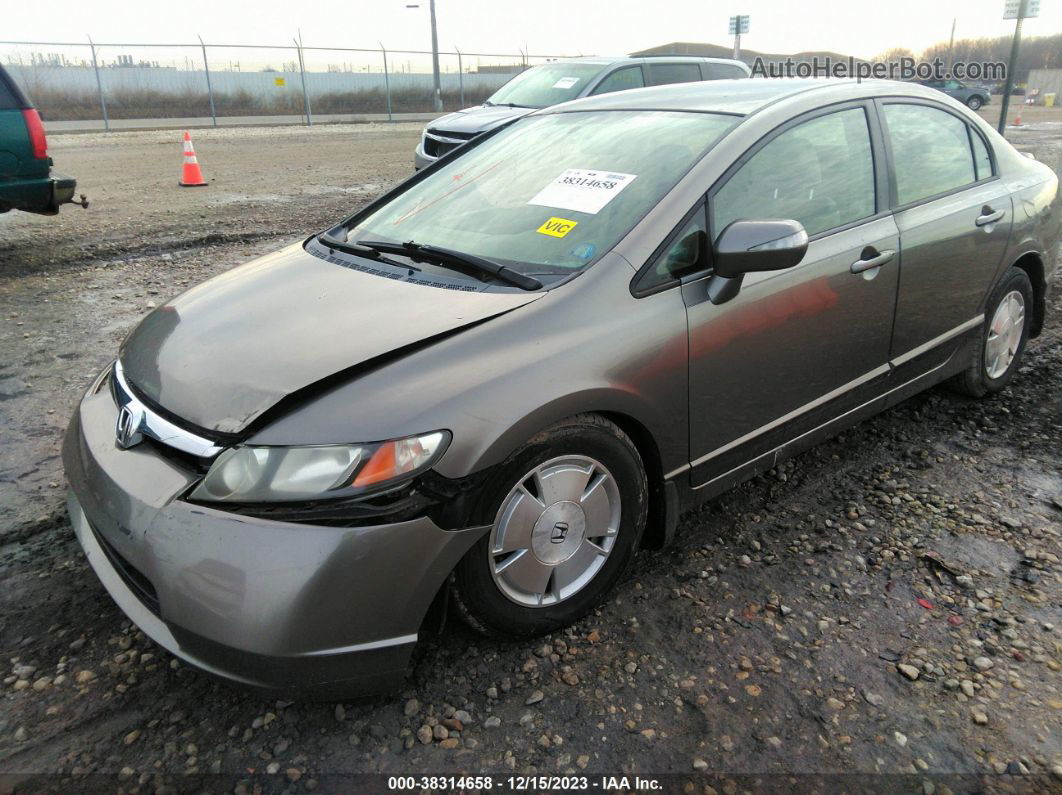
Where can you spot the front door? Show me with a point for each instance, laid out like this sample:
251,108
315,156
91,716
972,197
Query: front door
802,340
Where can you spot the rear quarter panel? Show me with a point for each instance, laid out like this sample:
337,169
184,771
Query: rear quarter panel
1037,208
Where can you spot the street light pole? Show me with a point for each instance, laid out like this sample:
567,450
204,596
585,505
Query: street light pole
435,58
1011,66
951,43
437,88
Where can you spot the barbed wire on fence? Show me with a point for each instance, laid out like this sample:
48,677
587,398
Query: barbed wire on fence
152,80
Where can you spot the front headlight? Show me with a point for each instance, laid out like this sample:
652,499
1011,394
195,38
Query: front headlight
291,474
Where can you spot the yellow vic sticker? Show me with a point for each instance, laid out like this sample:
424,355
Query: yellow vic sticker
557,227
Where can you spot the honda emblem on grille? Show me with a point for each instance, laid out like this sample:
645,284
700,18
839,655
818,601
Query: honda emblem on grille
127,427
560,532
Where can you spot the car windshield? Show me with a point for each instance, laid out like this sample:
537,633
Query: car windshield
552,193
545,85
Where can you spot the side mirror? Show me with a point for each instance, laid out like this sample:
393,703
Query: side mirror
750,247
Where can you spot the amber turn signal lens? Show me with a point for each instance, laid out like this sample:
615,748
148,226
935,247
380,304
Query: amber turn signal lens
394,459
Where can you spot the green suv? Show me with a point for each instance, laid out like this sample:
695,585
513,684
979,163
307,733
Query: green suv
27,181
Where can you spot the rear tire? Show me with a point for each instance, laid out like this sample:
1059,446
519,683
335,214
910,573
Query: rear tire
568,511
997,356
974,103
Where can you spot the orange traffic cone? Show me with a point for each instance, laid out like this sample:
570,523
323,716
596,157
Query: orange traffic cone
1017,120
192,176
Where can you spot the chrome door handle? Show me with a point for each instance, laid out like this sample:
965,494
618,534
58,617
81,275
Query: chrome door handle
861,265
989,218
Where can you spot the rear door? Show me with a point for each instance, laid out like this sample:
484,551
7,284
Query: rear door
954,215
799,343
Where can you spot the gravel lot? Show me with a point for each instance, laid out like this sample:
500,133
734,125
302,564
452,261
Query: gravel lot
887,604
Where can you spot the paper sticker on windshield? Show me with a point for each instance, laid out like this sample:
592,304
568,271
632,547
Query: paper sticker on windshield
557,227
566,82
582,190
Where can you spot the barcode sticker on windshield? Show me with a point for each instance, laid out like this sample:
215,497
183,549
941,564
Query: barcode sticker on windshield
566,82
582,190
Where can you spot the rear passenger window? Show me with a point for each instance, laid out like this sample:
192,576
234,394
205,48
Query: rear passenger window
621,80
982,161
722,71
820,173
664,73
930,151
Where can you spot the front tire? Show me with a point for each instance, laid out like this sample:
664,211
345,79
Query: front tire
568,511
1008,318
974,103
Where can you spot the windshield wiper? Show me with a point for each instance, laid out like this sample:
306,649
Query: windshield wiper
459,259
360,250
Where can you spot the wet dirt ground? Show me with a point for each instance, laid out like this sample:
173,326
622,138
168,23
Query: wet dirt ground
883,612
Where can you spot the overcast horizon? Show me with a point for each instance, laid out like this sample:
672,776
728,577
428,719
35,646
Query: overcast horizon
544,27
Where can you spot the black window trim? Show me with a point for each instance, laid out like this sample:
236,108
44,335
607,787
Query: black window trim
894,200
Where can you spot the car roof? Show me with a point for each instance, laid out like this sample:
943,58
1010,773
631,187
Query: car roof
740,97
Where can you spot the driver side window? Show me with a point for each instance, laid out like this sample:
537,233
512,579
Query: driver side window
820,173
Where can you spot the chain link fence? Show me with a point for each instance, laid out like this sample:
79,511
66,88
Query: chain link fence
109,84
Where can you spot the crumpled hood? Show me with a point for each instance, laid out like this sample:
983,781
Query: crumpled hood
478,119
224,352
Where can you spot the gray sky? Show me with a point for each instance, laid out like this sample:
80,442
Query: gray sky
540,26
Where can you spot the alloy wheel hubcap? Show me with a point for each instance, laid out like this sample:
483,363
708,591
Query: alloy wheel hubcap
554,531
1004,335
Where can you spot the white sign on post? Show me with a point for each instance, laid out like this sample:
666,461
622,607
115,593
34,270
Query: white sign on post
739,24
1011,8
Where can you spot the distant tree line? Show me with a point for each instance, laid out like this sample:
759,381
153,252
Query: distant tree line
1037,52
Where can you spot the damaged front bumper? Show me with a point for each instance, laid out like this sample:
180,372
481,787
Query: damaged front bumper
307,610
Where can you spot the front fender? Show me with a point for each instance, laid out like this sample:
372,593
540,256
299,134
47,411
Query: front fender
600,400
